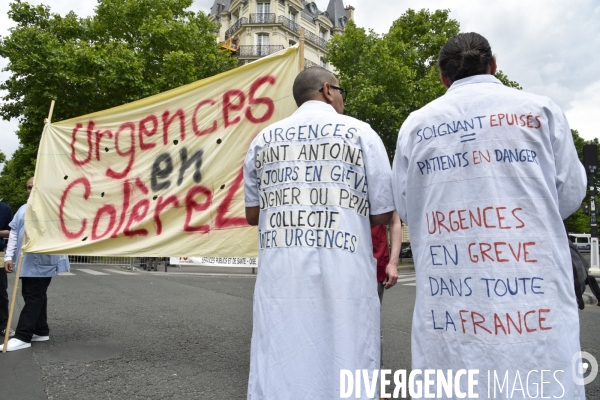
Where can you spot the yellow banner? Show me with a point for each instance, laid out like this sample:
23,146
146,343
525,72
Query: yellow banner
161,176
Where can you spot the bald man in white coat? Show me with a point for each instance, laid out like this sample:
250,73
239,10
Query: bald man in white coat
316,307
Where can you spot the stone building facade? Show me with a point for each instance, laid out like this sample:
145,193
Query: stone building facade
251,29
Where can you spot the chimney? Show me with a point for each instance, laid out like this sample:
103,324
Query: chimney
350,12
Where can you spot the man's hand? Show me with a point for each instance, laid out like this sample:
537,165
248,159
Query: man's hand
8,266
252,214
391,271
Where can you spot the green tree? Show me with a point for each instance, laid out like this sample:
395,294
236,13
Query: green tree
389,76
507,82
129,49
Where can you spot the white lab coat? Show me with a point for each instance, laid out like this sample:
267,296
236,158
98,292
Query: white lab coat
484,176
316,309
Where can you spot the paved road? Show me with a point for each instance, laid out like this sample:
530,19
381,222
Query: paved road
151,335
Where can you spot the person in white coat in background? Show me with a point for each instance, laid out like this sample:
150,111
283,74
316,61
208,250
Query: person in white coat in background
314,184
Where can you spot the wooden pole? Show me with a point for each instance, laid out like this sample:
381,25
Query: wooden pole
49,119
14,294
301,51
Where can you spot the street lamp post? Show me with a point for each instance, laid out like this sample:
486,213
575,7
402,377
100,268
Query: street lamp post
590,162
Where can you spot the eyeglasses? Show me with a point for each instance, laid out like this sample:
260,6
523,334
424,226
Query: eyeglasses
343,92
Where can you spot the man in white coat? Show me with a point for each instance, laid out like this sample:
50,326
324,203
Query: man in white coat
314,183
484,176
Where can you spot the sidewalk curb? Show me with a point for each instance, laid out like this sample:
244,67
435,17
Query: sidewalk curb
215,274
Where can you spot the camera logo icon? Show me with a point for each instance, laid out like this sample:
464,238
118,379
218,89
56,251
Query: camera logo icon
584,368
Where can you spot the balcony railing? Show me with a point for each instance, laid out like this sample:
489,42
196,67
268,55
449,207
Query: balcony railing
235,27
308,64
262,18
288,23
311,37
258,51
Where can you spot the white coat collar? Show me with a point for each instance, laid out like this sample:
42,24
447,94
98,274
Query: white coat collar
316,105
486,78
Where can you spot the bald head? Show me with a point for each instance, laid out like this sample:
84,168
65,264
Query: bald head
308,83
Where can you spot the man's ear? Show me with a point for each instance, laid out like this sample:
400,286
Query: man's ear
327,95
493,66
445,81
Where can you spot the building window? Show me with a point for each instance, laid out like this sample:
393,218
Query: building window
323,34
263,8
323,63
262,44
292,16
292,43
262,39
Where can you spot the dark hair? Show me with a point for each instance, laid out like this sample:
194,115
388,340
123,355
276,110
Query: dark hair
464,55
308,83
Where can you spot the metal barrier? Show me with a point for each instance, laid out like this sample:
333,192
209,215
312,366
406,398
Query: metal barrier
145,263
103,260
156,263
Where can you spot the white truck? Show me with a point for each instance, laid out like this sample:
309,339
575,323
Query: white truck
582,241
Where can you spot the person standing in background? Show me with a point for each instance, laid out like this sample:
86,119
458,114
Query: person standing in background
387,258
37,271
5,218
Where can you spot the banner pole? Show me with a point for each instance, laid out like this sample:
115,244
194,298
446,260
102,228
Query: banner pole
49,119
14,294
301,51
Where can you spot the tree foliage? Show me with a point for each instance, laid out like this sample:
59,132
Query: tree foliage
129,49
389,76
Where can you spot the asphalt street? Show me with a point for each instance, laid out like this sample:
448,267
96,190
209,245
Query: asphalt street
176,335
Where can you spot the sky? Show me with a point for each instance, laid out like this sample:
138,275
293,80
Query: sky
550,47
